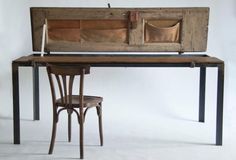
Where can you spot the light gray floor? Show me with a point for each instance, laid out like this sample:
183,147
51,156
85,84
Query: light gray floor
127,137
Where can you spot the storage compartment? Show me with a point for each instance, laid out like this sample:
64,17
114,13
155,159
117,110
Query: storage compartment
162,31
94,31
120,29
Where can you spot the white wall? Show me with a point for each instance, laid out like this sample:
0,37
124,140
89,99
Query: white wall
174,91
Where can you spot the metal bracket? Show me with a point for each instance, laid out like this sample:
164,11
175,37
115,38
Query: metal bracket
193,64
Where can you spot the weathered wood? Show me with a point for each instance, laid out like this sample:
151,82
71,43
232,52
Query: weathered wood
192,32
195,27
121,59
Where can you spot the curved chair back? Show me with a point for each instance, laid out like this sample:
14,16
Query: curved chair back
64,76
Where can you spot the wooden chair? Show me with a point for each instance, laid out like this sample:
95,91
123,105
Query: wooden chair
64,76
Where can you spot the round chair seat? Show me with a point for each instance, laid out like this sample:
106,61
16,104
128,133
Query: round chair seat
89,101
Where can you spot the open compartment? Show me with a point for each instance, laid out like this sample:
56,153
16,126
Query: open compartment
162,31
92,31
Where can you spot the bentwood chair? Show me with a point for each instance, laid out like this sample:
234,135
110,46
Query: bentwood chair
79,104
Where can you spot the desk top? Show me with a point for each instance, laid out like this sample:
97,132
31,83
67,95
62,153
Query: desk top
120,59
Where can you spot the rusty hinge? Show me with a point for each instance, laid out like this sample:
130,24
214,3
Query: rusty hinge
133,19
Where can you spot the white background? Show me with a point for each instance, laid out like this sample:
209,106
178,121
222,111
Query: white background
153,104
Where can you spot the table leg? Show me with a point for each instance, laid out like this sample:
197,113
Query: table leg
36,112
202,89
220,97
16,106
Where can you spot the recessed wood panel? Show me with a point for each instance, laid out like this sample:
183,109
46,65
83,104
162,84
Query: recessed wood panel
84,31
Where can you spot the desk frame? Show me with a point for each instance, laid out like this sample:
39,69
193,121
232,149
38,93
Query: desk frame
202,87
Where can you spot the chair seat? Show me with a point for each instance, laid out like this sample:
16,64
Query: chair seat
89,101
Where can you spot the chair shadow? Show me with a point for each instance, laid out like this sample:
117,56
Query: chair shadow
61,143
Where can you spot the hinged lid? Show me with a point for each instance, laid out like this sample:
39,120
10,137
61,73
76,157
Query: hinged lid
121,29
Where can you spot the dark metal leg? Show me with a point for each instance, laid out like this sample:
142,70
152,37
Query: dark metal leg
69,127
81,117
16,102
202,89
220,97
36,92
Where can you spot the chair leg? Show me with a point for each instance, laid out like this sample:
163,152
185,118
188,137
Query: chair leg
69,127
53,137
99,113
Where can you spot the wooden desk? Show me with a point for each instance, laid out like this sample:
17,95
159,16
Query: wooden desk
134,60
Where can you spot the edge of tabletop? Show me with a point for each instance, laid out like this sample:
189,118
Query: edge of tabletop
201,58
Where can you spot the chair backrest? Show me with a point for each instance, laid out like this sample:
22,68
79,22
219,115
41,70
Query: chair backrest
64,77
